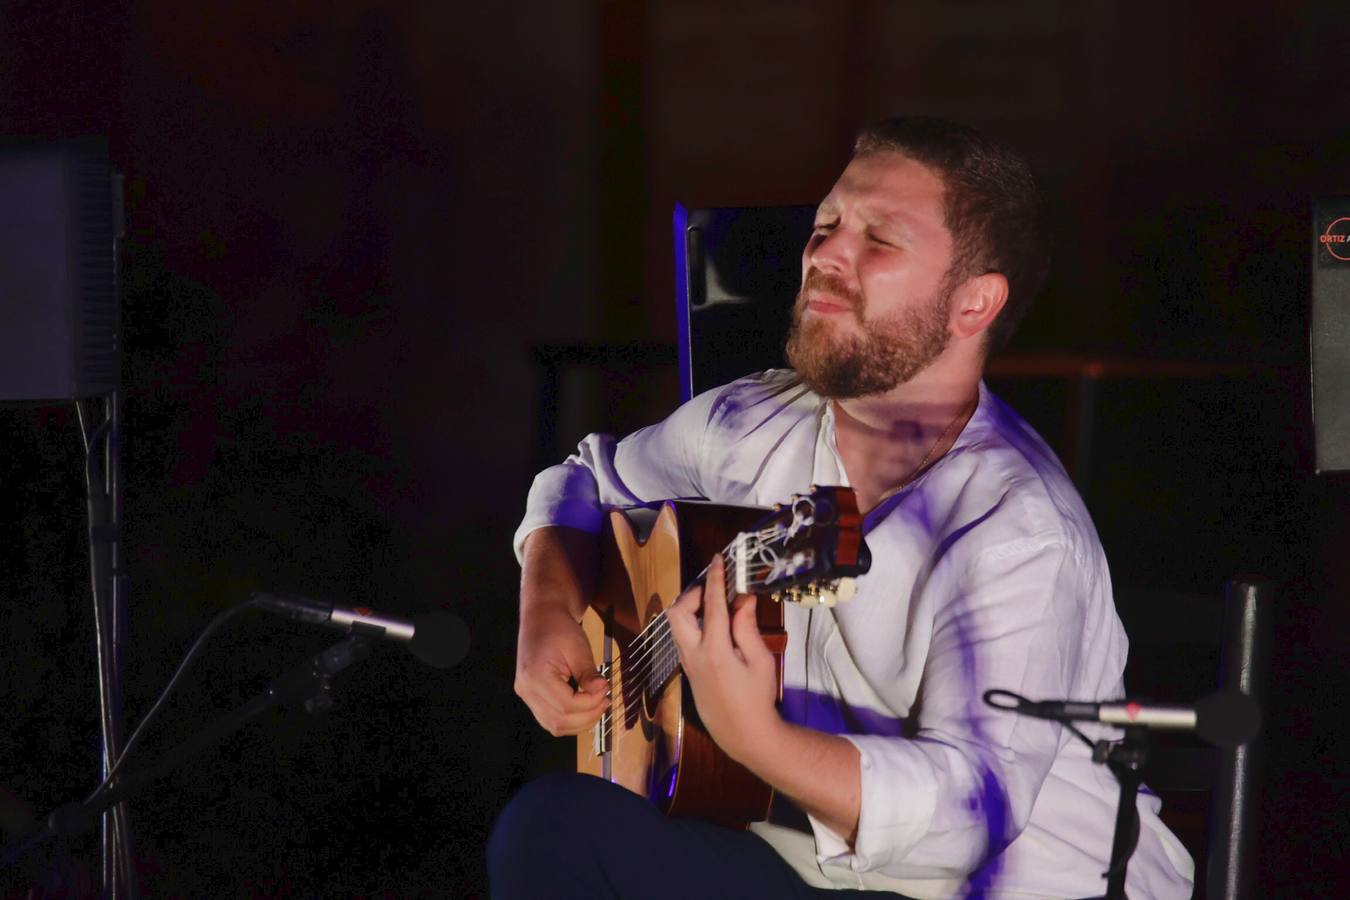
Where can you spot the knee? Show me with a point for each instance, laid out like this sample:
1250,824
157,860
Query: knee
536,821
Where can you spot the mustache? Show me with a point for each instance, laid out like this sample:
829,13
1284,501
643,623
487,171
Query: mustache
817,281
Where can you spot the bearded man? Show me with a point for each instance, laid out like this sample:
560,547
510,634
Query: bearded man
890,773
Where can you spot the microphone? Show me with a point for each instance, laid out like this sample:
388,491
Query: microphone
439,639
1225,718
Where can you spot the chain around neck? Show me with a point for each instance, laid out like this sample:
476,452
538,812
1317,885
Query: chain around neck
967,407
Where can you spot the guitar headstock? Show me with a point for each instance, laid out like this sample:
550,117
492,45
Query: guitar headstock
806,551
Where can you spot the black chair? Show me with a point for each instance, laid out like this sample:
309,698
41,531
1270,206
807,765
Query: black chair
1244,666
1211,797
737,271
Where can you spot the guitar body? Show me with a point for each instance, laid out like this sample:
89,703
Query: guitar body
651,741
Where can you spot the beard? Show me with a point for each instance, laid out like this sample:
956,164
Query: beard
889,351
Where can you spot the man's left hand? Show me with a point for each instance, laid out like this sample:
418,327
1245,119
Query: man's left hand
731,670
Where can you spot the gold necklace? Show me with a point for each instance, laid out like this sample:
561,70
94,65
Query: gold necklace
914,473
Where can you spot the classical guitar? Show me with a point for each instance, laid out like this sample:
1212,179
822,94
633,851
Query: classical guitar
650,739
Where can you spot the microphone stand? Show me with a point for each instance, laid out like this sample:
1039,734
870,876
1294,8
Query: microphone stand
307,685
1125,759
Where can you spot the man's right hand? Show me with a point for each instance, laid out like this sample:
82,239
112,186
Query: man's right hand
552,655
555,674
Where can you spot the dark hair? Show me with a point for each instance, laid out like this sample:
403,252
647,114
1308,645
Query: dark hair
993,207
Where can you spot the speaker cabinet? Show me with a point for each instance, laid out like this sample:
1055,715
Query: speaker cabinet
1331,333
60,210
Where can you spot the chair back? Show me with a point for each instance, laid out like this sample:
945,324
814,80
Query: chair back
737,271
1244,665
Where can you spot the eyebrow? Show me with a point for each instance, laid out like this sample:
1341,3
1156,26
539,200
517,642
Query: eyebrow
890,221
897,219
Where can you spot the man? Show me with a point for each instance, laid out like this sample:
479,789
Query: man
987,573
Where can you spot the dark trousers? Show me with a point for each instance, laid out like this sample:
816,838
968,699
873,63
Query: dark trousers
568,835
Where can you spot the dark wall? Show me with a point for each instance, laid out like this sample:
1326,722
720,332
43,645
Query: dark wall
349,222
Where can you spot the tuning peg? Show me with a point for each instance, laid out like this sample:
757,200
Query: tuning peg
845,589
809,600
828,598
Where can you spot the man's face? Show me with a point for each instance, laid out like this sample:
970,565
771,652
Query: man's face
874,304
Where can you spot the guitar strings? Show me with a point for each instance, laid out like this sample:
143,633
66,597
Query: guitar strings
651,637
656,654
659,652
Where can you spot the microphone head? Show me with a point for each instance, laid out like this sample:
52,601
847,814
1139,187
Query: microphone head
440,639
1227,718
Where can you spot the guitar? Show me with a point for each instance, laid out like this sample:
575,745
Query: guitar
650,739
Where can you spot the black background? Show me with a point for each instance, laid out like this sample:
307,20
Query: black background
349,223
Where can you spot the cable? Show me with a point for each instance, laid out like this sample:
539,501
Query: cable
212,627
13,852
998,693
115,855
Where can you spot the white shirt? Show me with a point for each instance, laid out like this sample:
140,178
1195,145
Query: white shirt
986,573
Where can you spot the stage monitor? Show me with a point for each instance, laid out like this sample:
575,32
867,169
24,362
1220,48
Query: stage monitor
737,271
59,311
1330,333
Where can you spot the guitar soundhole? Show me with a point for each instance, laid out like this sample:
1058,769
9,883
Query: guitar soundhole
649,711
651,696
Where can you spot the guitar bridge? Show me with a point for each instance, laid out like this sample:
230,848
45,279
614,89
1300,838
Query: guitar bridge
601,734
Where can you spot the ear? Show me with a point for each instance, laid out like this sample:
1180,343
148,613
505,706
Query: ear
976,302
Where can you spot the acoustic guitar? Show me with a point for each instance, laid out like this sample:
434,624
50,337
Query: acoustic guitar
650,740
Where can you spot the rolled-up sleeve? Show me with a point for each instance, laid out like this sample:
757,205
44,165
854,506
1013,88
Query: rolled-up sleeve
940,803
660,462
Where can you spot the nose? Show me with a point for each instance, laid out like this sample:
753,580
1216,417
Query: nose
829,251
